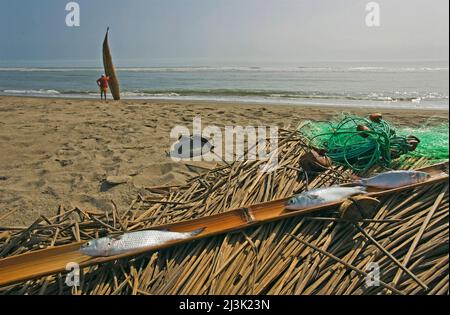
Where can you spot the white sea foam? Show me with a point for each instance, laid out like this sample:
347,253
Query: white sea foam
32,92
146,94
48,69
365,68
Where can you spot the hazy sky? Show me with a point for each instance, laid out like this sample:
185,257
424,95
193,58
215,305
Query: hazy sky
156,32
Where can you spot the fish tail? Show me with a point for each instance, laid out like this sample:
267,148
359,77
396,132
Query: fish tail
361,189
357,180
362,182
195,232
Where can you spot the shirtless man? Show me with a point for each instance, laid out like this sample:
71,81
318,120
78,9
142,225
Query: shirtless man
103,85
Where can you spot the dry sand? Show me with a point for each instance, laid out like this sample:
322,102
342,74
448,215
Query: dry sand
59,151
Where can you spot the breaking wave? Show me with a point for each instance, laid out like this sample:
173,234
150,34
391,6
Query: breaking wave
224,94
32,92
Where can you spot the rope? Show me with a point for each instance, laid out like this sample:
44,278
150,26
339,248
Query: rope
361,149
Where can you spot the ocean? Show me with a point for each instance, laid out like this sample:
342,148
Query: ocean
413,85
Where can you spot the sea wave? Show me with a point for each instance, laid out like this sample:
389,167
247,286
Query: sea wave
237,69
32,92
48,69
397,96
144,94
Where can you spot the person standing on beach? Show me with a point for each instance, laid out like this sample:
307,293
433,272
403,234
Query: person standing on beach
103,85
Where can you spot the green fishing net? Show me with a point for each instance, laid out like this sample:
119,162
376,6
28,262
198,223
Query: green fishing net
434,141
378,143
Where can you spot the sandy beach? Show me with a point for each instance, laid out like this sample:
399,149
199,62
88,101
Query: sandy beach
59,151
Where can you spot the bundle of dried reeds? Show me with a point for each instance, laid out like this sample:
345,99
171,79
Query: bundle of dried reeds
408,239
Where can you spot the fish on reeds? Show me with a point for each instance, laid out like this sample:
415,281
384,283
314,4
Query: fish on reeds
394,179
321,196
130,242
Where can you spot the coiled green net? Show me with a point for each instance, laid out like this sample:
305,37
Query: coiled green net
380,145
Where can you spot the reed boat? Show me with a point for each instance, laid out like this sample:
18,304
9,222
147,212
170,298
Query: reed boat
110,69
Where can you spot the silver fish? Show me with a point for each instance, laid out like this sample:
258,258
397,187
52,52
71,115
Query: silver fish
321,196
129,242
394,179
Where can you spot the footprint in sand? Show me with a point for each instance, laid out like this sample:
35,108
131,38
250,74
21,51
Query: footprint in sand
64,163
98,203
50,191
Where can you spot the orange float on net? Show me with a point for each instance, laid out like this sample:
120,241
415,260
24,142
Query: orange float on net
315,161
363,128
413,142
376,117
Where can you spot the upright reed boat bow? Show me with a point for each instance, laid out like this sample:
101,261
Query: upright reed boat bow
110,69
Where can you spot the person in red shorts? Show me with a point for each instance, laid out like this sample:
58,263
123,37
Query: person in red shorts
103,85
